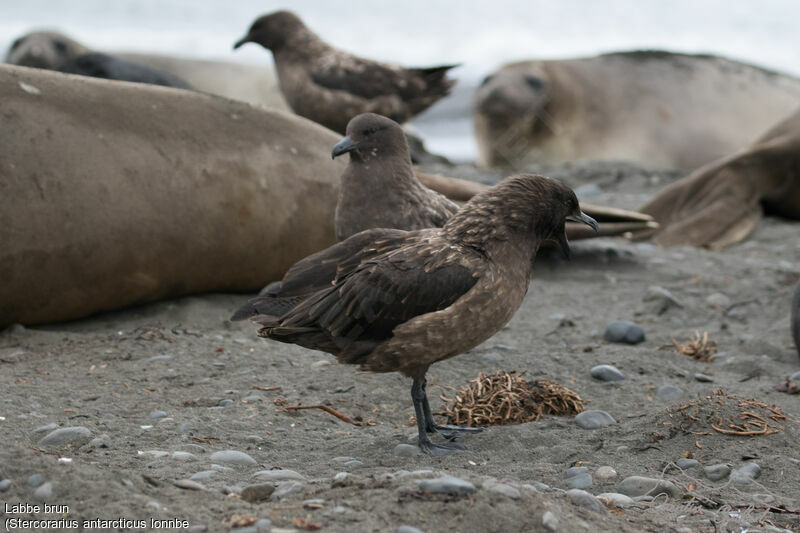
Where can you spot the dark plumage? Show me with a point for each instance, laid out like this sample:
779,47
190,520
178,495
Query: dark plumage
399,301
330,86
97,65
379,188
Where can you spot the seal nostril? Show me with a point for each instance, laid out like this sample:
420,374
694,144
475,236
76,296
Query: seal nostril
534,83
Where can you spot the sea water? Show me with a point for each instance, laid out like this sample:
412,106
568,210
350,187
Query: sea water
479,35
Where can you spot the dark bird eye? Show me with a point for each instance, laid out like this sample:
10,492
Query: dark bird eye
487,79
60,46
534,82
16,43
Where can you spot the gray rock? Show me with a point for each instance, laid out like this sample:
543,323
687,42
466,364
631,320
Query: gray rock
718,301
550,521
355,463
703,378
44,492
575,470
717,472
746,474
491,358
46,428
660,300
406,450
594,419
581,498
188,484
103,441
154,454
5,485
634,486
796,376
34,480
685,464
184,456
75,437
604,473
579,481
607,373
408,529
232,457
285,489
345,458
620,500
258,493
506,490
279,475
447,485
625,332
203,475
155,415
669,393
341,479
224,402
313,503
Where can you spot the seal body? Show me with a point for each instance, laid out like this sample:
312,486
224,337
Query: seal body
655,108
116,194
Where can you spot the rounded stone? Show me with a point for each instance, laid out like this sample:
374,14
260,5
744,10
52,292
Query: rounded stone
44,492
258,493
232,457
406,450
447,485
35,480
581,498
685,464
669,393
75,436
593,419
408,529
155,415
5,485
625,332
279,475
717,472
607,373
634,486
605,472
579,481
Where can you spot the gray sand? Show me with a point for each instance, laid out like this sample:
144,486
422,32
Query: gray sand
220,388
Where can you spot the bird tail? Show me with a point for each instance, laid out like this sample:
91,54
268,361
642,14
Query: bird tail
268,307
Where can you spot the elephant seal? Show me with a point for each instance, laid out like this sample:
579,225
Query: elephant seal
655,108
116,194
254,84
97,65
720,203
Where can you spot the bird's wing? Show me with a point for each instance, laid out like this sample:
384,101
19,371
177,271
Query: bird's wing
364,307
321,271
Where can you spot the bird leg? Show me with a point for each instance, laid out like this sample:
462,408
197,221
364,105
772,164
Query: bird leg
420,400
448,432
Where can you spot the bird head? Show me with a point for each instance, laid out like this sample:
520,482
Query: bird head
271,31
370,135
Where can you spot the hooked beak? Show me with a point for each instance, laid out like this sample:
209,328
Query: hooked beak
342,147
240,42
563,243
586,219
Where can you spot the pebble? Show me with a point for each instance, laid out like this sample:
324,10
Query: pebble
506,490
408,529
491,358
344,458
718,301
286,488
580,481
717,472
202,475
746,474
252,398
604,473
703,378
321,364
232,457
661,300
279,475
607,373
685,464
795,377
550,521
155,415
640,486
102,441
581,498
594,419
624,331
447,485
184,456
188,484
44,492
313,503
47,428
340,479
223,402
406,450
669,393
75,436
5,485
34,480
258,493
154,454
620,500
416,474
355,463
